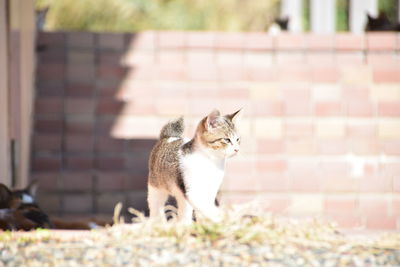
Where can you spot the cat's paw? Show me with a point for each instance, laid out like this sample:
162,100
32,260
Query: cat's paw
215,215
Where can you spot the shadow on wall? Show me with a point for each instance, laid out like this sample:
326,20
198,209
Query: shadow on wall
92,138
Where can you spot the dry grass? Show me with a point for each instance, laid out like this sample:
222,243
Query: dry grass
245,236
245,224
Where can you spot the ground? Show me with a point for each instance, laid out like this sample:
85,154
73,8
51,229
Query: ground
239,240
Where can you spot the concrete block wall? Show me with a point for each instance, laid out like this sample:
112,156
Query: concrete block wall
321,128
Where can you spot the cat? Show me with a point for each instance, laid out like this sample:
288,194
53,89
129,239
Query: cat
13,199
19,219
192,170
283,23
380,23
18,210
279,25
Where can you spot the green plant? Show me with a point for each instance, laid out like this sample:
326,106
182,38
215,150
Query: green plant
342,18
389,8
138,15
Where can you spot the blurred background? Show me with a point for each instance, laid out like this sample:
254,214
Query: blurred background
214,15
87,85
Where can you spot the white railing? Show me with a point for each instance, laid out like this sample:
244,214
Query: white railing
323,14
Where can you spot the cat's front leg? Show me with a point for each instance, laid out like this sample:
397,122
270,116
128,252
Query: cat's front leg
212,212
206,207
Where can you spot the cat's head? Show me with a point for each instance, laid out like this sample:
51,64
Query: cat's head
283,23
218,134
15,198
380,23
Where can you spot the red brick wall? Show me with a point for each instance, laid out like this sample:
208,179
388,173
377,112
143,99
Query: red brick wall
321,131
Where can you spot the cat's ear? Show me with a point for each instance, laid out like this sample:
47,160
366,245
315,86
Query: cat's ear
234,117
212,120
32,188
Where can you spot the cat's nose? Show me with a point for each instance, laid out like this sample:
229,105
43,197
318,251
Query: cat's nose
236,150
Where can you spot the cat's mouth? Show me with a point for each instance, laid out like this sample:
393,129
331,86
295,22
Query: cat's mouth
234,153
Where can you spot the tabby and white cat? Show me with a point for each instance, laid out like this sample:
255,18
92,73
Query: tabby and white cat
192,171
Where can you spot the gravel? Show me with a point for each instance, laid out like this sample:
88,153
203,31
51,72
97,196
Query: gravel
261,240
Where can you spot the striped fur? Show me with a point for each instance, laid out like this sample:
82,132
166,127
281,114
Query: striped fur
191,171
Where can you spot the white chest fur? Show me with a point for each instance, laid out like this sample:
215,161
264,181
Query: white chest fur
202,175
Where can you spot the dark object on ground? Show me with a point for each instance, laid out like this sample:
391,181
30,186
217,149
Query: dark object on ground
381,23
19,211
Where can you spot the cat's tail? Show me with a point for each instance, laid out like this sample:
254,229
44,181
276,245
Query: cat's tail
173,129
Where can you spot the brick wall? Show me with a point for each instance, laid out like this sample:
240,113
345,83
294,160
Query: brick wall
321,131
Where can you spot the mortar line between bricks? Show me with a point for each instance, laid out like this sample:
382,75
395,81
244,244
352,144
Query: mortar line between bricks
157,48
64,129
250,157
365,195
326,157
94,190
365,51
353,119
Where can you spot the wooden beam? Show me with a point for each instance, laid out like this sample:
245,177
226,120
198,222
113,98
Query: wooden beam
293,9
5,166
27,59
323,16
358,14
398,11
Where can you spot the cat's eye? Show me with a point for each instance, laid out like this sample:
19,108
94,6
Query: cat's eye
238,140
227,140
